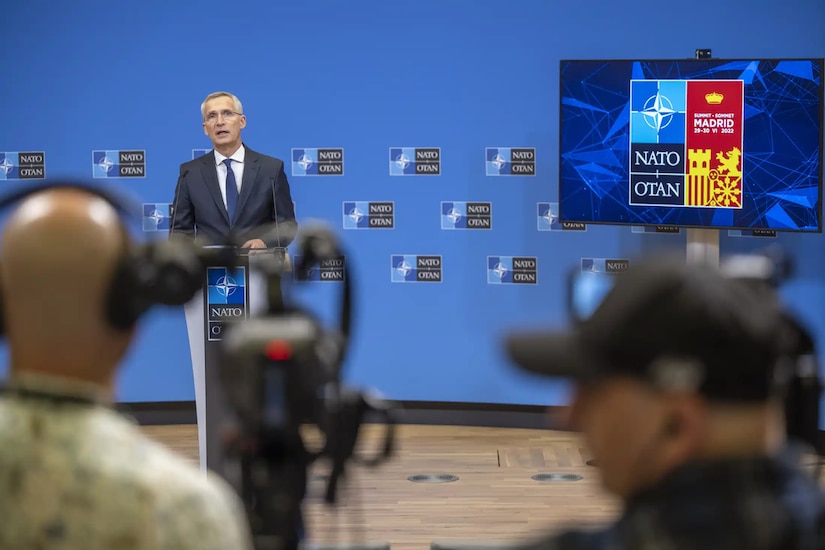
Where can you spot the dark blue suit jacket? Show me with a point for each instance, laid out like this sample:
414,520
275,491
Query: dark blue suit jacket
199,209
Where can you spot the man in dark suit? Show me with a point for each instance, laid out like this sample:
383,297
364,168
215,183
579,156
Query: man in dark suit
233,187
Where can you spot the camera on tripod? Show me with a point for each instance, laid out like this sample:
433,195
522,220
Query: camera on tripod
281,371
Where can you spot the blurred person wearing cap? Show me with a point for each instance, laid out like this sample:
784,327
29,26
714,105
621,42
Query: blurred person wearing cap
680,376
75,474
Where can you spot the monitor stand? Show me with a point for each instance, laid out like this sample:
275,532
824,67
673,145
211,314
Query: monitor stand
703,246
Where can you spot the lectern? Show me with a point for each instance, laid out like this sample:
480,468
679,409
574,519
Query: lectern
230,294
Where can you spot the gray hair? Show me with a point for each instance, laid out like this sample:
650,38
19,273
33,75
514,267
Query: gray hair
213,95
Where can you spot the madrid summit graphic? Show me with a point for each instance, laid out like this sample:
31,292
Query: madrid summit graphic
686,143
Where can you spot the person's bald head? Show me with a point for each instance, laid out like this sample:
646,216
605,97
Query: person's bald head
59,251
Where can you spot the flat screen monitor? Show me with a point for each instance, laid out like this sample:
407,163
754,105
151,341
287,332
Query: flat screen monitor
714,143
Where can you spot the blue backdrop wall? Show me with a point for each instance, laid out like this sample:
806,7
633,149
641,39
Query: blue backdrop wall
366,76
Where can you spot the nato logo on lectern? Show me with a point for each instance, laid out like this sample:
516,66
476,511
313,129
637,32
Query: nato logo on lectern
510,161
368,215
328,271
225,299
118,164
466,215
156,216
512,270
414,268
415,161
318,162
22,166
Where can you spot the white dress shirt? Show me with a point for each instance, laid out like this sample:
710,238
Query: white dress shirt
237,167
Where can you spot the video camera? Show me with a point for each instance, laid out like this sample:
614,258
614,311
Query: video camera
281,371
766,272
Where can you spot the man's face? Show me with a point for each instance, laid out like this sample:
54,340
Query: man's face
222,123
621,420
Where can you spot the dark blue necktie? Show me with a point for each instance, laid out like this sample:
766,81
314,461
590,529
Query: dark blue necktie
231,190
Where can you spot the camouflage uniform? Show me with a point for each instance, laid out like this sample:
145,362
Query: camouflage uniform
75,475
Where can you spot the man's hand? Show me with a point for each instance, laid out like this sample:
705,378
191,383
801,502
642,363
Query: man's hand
254,243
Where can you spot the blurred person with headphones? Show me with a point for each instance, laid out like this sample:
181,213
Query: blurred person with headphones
681,375
75,474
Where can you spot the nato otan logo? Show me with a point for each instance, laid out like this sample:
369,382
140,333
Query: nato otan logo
156,216
118,164
548,219
22,166
510,161
329,271
226,298
410,268
512,270
604,265
466,215
197,153
415,161
318,162
368,215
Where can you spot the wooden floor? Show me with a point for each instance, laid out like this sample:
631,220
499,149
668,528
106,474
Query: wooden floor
494,498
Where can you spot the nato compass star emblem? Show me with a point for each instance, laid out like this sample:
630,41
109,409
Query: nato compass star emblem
404,268
156,217
500,270
551,217
454,215
6,166
499,161
106,164
356,215
226,286
402,161
658,111
305,161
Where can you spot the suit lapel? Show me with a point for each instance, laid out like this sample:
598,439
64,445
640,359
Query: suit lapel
210,177
250,173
